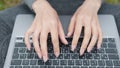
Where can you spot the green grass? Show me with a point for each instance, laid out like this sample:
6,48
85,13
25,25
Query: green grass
8,3
113,1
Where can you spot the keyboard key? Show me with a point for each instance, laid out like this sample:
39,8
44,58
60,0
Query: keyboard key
51,56
35,67
15,51
116,63
109,67
70,62
55,62
20,45
109,63
93,62
88,56
85,62
43,66
111,39
26,66
60,56
66,56
94,50
96,56
67,67
104,56
59,67
111,45
22,56
100,67
28,51
92,67
33,62
36,56
105,40
30,56
40,62
104,45
18,66
75,67
111,50
49,62
15,56
22,50
74,56
11,66
83,67
78,62
50,50
101,62
51,66
82,57
113,56
16,62
64,50
25,62
63,62
101,51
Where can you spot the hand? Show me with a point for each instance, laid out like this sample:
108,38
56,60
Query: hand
86,16
46,21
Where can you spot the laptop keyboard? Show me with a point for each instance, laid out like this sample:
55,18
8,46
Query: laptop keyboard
106,57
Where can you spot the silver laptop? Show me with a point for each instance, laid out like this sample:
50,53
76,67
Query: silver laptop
107,57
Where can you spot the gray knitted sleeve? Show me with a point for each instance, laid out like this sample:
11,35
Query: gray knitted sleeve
29,3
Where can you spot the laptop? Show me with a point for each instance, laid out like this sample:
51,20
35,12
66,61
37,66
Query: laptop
107,57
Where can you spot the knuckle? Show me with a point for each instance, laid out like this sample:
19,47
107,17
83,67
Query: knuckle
56,49
84,47
87,35
38,51
34,35
42,39
55,41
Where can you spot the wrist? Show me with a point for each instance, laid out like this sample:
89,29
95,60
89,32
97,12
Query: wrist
37,4
96,4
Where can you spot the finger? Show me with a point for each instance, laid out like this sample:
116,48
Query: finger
36,43
43,43
61,34
28,33
55,41
78,29
100,36
94,36
86,39
71,26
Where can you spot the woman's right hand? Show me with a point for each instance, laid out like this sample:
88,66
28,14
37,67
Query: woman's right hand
46,21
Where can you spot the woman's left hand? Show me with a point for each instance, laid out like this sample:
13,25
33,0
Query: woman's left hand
86,16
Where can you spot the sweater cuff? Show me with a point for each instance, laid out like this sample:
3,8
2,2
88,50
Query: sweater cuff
29,3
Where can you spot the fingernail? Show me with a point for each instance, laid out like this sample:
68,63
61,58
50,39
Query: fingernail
66,42
29,48
89,49
45,58
81,52
73,47
99,46
68,34
40,56
57,54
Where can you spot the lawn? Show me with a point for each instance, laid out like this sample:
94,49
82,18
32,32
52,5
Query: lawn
8,3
